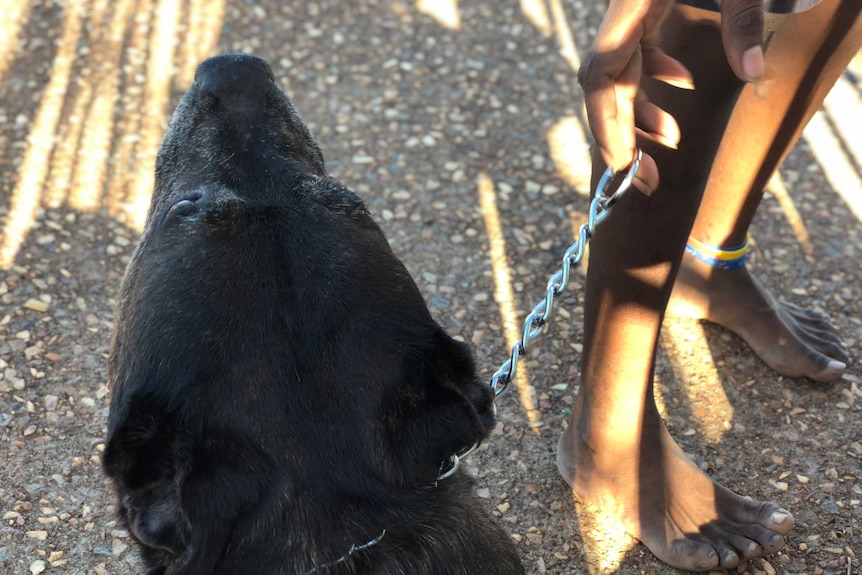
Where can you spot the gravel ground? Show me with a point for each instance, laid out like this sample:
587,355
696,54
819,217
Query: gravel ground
462,128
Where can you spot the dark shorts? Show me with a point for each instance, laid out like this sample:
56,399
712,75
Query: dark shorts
772,6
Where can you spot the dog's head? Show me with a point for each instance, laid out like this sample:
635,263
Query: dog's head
263,301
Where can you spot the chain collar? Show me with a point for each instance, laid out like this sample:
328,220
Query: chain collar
450,465
353,549
447,469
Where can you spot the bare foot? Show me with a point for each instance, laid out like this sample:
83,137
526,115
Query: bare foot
791,340
664,500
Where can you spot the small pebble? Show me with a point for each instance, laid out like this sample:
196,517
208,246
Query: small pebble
118,547
36,305
50,402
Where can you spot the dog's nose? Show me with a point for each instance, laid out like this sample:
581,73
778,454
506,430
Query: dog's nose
232,73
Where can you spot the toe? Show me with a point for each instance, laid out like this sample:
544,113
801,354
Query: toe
728,558
807,316
768,540
832,350
776,519
691,555
807,331
722,541
813,331
824,368
746,548
825,342
805,362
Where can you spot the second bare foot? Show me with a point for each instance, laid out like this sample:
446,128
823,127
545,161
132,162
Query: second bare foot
791,340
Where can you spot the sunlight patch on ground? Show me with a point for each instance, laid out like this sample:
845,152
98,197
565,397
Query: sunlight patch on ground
27,192
564,37
548,17
91,168
200,38
93,139
126,169
568,139
605,539
157,93
536,11
504,294
570,152
843,106
835,142
65,150
13,15
794,218
445,12
855,66
697,377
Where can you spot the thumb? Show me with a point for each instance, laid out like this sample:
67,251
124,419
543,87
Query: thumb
742,35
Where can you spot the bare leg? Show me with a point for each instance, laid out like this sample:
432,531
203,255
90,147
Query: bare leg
766,123
617,453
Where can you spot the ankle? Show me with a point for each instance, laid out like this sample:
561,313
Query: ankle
609,438
719,257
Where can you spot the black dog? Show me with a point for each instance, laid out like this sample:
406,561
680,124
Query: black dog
282,399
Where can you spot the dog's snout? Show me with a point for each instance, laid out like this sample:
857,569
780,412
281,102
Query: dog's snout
232,73
227,128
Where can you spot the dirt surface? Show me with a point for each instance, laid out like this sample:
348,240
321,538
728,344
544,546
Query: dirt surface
462,129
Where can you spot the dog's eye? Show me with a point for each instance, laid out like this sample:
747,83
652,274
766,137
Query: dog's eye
187,206
183,208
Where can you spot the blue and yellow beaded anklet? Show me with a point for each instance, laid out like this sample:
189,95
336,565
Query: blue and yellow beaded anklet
719,258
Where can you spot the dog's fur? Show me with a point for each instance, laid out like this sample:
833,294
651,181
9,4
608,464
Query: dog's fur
280,390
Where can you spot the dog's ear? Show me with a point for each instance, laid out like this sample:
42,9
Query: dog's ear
455,367
138,448
154,518
139,459
439,408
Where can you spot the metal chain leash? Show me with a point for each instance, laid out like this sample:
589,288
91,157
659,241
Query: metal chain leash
535,322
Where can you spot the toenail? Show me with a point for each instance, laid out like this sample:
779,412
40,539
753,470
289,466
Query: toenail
774,541
778,517
835,365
